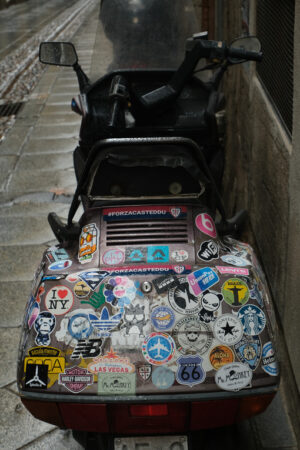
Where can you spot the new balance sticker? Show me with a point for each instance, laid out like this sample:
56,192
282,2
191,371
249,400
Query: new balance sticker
76,379
87,348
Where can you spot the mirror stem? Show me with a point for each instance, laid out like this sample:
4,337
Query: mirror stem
83,79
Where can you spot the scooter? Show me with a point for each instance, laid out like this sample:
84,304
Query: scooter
149,318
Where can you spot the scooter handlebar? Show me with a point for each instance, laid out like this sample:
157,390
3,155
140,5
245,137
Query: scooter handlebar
240,54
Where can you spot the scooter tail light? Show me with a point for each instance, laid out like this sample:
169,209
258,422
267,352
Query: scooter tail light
148,410
250,406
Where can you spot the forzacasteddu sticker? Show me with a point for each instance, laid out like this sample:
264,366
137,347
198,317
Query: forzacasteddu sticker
192,336
190,370
162,318
202,279
221,355
182,299
210,302
59,300
36,376
228,329
234,376
158,348
75,379
144,213
269,363
253,319
248,350
87,243
163,378
208,250
44,325
235,292
87,348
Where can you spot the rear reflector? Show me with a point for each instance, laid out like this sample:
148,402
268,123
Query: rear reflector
85,417
148,410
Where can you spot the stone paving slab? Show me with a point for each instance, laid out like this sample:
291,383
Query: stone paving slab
13,298
14,141
56,439
9,340
46,161
19,263
60,181
51,145
24,230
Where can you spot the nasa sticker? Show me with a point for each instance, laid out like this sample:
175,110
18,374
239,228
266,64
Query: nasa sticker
192,336
182,300
269,363
228,329
158,348
163,378
234,376
59,300
162,318
253,319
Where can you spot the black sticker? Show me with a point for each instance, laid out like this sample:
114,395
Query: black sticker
87,348
36,376
209,250
163,284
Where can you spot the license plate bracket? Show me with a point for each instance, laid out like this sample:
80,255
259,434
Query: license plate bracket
151,443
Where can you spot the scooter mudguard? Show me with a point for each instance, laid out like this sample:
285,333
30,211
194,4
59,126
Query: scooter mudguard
150,307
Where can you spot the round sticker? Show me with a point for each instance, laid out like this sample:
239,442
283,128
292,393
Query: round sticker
235,292
182,300
113,257
59,300
79,326
192,336
228,329
253,319
235,260
233,377
163,318
81,289
158,348
179,255
163,378
60,265
269,363
221,355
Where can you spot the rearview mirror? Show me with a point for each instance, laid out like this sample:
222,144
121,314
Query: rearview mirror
248,43
58,53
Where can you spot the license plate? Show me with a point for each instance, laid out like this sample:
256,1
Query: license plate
151,443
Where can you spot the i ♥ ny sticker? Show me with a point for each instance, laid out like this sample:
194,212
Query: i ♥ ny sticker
59,300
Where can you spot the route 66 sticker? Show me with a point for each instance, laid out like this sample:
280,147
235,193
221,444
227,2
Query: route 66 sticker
190,370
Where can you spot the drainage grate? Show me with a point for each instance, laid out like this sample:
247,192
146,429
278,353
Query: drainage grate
10,109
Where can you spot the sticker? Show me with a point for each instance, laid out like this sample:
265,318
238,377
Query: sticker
134,319
87,243
235,292
210,302
190,370
144,212
163,284
133,254
235,260
163,378
179,255
180,269
44,325
116,384
269,363
228,329
256,294
105,323
119,291
113,257
220,355
79,326
75,379
61,265
253,319
97,299
81,289
233,377
33,312
208,250
148,270
159,253
87,348
56,254
162,318
248,350
111,363
48,356
206,225
202,279
144,371
59,300
233,270
36,376
158,348
182,300
93,277
192,336
54,277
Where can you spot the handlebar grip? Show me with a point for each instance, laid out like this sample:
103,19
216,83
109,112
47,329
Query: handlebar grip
239,53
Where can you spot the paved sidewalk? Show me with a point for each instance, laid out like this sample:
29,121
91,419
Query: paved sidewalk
36,177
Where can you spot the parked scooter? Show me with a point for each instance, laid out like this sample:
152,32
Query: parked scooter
148,318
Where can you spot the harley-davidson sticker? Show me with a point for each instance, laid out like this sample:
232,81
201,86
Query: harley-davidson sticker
269,363
248,350
228,329
144,371
87,243
59,300
182,300
163,318
208,250
190,370
202,279
75,379
111,363
163,378
206,225
234,376
192,336
235,292
158,348
116,384
253,319
221,355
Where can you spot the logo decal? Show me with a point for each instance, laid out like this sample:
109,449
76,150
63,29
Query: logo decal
60,265
87,348
44,325
208,250
158,348
76,379
79,326
228,329
163,284
158,254
133,254
36,376
190,370
206,225
210,301
269,363
163,378
248,350
105,323
59,300
81,289
180,255
111,363
221,355
87,243
93,277
235,292
202,279
235,260
144,371
117,384
233,270
233,377
253,319
113,257
182,300
192,336
163,318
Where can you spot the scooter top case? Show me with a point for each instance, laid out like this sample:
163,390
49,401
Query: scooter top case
150,321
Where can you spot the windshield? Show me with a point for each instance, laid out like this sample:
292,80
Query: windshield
145,33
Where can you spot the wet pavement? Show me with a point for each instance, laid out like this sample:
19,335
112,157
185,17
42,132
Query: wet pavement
36,177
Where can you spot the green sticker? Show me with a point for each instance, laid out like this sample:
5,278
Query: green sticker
116,384
235,292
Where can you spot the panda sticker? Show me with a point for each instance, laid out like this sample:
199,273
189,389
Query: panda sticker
210,302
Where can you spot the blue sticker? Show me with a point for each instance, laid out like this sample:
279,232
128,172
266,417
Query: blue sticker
135,254
55,254
44,325
163,318
93,277
158,253
105,323
269,363
79,326
202,279
248,350
60,265
190,370
158,348
163,378
253,319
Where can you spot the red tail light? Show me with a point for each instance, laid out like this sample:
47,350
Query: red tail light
148,410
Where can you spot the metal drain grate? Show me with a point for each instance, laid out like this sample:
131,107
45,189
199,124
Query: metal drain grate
10,109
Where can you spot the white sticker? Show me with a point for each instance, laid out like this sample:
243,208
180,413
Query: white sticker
233,376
